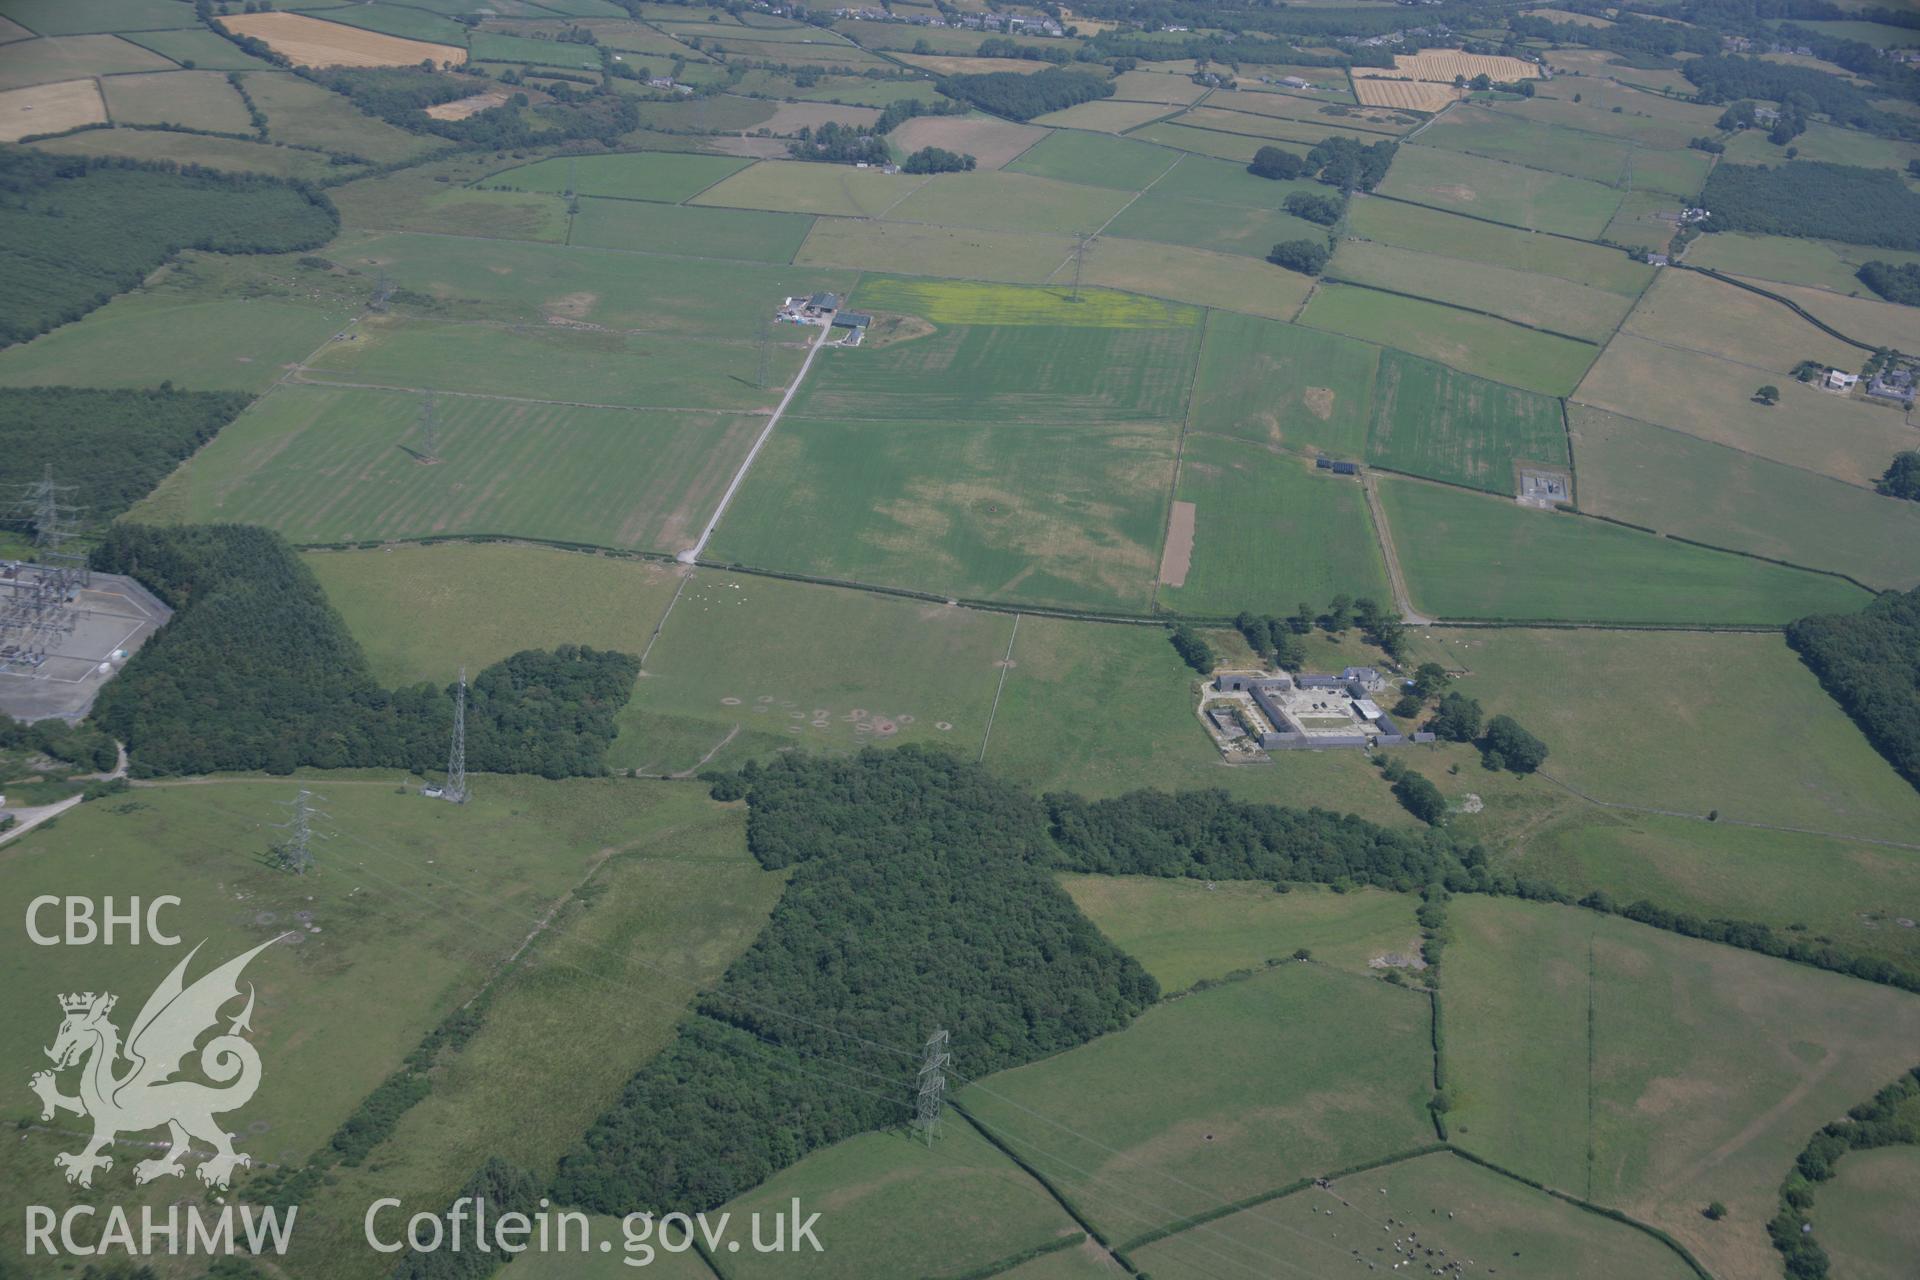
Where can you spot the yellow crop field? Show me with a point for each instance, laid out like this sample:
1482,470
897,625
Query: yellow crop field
1442,65
50,108
971,302
1408,95
311,42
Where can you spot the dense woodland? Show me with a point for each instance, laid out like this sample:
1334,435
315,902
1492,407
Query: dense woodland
1894,282
257,671
1870,662
1816,200
145,433
920,897
75,230
1020,96
1726,78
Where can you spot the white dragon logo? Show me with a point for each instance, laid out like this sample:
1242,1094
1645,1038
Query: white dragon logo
144,1096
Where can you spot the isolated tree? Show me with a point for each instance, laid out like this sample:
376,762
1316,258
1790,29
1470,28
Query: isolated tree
1420,797
1768,394
1194,651
1715,1211
1308,257
1275,163
1902,479
1519,750
1457,720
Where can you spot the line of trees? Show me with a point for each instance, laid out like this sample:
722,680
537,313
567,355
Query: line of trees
1890,1118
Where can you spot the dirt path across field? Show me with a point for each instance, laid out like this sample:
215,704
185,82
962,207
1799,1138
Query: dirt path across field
1401,600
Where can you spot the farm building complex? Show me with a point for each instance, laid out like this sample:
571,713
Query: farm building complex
1288,712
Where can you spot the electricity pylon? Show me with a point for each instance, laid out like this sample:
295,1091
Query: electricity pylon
933,1085
295,853
456,788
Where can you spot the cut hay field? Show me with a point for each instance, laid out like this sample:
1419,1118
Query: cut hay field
668,176
1467,556
144,339
1437,422
27,62
1060,515
555,364
1270,530
301,112
1010,202
1501,192
1284,385
329,464
410,22
1224,1094
1182,931
992,142
769,665
1823,264
1478,344
473,279
1432,231
194,99
1009,374
50,108
1679,484
1444,65
1405,95
960,253
458,616
1661,1071
1096,160
1537,301
797,186
1190,275
1460,1209
1695,312
1712,398
313,42
749,235
1205,224
1106,116
1788,758
1865,1221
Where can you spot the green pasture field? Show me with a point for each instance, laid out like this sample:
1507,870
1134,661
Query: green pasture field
1182,931
1284,385
633,37
1059,515
1190,275
1824,142
1865,318
1476,344
1708,1066
332,464
198,46
670,176
458,616
720,113
1010,202
1059,727
1791,758
758,663
1501,192
26,62
1694,311
1609,161
745,234
1224,1094
1096,160
194,99
1836,887
556,364
1270,530
1467,556
492,46
968,302
1202,224
188,148
1156,86
674,904
1823,264
144,339
1436,422
377,957
1205,142
62,18
1319,107
1453,1204
1712,398
899,1208
1647,119
858,91
969,253
472,279
1086,1262
1865,1213
1331,84
796,54
299,111
1104,115
1644,222
1434,232
1679,484
407,21
801,187
1014,374
1537,301
1223,182
412,200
